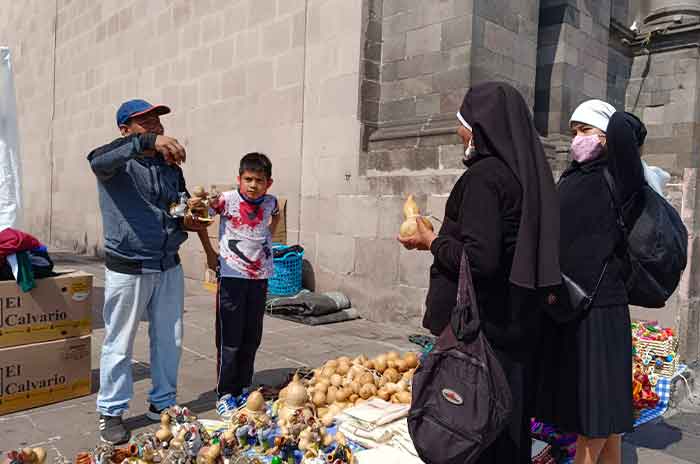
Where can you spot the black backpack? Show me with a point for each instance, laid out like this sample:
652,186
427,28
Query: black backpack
461,399
657,247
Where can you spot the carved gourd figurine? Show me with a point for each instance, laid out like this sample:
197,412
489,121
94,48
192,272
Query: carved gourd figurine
209,454
33,455
164,434
178,442
296,402
201,210
411,212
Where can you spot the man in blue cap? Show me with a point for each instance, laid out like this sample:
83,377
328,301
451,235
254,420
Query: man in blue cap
138,179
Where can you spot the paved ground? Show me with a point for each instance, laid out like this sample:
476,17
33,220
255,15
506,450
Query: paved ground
67,428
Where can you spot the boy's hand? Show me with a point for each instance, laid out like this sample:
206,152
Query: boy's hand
213,261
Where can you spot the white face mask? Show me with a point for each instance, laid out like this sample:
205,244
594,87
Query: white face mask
470,151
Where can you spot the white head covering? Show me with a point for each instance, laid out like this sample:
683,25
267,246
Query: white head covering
656,177
596,113
463,121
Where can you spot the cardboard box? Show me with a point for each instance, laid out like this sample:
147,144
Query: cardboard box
59,307
43,373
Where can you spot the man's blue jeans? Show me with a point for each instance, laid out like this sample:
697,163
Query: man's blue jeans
161,296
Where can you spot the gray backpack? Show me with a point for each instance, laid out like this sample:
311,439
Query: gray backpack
461,400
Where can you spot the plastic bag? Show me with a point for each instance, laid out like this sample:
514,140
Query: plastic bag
10,169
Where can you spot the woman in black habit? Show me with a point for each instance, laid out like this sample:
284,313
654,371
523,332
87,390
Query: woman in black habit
504,212
586,381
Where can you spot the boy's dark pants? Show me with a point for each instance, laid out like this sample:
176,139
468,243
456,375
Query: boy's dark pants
240,307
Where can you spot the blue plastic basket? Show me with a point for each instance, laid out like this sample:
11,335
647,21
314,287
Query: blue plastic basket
286,279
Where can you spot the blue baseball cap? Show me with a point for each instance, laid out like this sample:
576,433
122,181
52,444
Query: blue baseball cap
132,108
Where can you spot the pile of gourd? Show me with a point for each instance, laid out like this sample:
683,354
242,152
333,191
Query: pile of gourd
342,383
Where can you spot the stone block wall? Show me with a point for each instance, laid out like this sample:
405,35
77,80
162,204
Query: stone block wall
505,43
572,60
663,91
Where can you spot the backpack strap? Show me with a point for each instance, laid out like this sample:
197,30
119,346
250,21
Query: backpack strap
610,182
465,319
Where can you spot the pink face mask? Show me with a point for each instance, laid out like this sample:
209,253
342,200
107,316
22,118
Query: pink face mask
586,148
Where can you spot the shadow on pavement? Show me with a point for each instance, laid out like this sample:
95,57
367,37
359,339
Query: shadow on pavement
656,435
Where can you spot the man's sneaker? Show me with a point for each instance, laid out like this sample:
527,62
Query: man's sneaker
154,413
112,430
226,406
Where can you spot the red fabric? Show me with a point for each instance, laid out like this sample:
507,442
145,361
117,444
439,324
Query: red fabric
13,241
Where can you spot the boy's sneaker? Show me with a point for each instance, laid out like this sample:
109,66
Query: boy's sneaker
112,430
154,413
226,406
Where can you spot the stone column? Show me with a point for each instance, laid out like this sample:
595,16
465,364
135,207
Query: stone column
572,61
660,13
664,90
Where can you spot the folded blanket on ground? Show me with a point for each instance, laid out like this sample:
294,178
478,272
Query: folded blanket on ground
308,304
340,316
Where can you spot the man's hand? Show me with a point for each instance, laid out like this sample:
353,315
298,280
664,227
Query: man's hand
195,203
170,148
421,240
193,224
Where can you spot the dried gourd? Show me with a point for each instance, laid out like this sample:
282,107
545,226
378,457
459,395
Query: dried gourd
331,394
366,378
343,368
404,397
297,396
342,394
367,391
383,394
322,385
380,364
401,365
319,399
336,380
332,363
392,375
411,212
411,359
